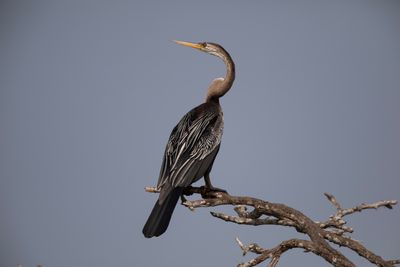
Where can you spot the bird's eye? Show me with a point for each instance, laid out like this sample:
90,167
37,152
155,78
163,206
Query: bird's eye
204,44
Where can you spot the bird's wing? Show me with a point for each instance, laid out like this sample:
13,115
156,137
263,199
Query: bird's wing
171,150
190,142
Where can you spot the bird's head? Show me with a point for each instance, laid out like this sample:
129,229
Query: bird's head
209,48
221,85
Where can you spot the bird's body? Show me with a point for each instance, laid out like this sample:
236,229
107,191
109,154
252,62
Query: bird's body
192,147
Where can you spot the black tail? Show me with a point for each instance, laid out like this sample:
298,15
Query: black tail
160,216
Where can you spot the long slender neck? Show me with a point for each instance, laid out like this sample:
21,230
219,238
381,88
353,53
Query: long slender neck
220,86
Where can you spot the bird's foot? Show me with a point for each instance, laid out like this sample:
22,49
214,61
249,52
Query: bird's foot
210,187
187,191
209,191
183,199
205,191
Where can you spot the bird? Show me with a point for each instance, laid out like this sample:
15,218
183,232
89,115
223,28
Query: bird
192,146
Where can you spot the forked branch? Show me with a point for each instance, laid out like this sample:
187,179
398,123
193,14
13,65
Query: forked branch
320,234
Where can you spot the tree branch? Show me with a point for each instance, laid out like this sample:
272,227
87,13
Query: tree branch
320,234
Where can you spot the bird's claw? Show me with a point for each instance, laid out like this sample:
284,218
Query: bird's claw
183,199
187,191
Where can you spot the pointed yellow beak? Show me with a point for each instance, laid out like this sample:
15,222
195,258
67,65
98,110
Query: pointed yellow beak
192,45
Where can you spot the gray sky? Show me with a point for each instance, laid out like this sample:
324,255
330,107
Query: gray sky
90,90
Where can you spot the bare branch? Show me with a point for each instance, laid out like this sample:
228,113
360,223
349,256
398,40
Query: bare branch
152,189
275,253
337,221
394,262
332,199
267,213
248,221
253,247
383,203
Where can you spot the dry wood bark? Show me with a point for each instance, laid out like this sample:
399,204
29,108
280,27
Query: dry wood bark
320,234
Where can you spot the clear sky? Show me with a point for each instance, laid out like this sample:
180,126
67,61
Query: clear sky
90,90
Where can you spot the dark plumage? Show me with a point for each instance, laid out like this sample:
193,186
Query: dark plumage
192,146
